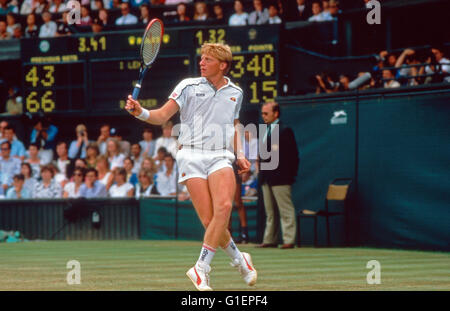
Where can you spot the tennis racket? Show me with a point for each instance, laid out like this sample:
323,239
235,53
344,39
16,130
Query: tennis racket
151,42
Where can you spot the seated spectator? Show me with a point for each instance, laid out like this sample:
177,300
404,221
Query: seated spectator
34,161
58,6
334,9
41,7
239,18
63,28
17,32
148,143
80,163
406,73
344,82
219,17
131,177
115,157
325,83
77,147
137,156
149,164
260,15
139,3
7,8
92,188
31,31
103,137
92,153
11,23
48,29
201,12
317,13
72,189
121,188
48,187
438,58
174,2
14,102
124,144
4,35
166,140
167,181
97,26
389,77
9,166
28,7
145,187
62,162
273,15
182,13
126,18
18,191
115,4
97,5
86,19
3,125
302,13
17,148
159,159
103,17
30,181
105,176
145,14
389,59
249,185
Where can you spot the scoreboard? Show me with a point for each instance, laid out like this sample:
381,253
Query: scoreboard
94,73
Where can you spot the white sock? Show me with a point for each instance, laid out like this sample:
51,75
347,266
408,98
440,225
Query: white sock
206,255
232,250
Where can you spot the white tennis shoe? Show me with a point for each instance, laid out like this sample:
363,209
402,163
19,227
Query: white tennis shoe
246,268
199,275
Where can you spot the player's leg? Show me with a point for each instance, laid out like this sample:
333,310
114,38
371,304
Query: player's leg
222,187
201,199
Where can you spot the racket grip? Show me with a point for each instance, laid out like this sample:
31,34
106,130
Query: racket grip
137,89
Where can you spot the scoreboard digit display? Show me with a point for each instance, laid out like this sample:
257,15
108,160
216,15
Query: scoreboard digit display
94,73
45,85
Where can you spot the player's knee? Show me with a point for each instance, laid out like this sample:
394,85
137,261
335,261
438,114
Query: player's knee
206,221
224,210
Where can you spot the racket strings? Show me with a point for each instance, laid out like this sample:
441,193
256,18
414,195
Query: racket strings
152,43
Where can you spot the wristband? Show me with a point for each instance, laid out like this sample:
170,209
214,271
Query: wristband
145,114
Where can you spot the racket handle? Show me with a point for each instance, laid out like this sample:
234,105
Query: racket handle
137,89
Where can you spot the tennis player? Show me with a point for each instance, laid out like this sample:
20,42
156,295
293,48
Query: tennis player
209,110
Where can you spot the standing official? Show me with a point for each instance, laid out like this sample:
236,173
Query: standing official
276,183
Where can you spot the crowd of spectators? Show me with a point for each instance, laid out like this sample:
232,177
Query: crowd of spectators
49,18
107,166
392,70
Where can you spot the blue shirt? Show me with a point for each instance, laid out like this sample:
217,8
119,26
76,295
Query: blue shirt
73,150
151,147
9,168
51,135
17,148
11,194
97,191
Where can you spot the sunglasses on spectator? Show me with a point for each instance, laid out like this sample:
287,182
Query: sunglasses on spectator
78,174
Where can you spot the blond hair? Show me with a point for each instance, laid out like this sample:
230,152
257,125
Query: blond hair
220,51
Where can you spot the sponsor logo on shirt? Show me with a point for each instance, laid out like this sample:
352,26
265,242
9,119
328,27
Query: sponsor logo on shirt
233,99
174,94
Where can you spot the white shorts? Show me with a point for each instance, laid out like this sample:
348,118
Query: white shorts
201,163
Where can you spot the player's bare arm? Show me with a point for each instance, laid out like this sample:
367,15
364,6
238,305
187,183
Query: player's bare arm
156,116
241,161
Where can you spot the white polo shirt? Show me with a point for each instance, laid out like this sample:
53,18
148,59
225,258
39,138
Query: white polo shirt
207,115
